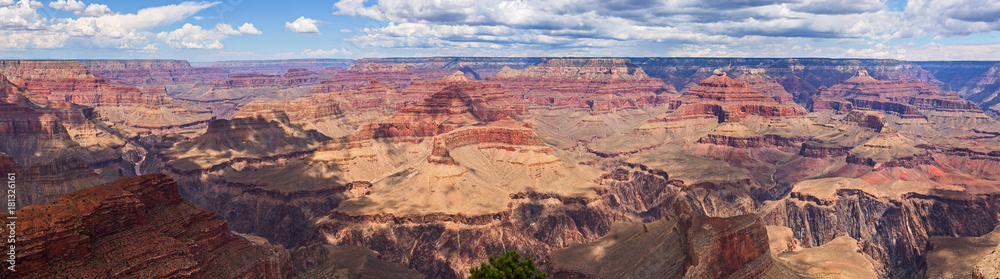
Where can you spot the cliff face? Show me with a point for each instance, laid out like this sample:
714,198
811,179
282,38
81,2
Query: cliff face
334,114
914,106
718,111
475,67
135,227
177,76
288,85
57,146
582,99
892,229
758,80
69,82
682,244
801,77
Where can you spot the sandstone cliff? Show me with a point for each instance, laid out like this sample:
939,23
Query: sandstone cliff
135,227
177,76
684,244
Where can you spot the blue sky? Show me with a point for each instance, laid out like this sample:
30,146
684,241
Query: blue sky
247,29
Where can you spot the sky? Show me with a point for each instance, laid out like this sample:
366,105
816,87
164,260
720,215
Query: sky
247,30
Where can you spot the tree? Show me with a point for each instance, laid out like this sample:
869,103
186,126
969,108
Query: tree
508,265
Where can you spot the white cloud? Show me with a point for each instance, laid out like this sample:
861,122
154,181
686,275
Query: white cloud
193,36
690,27
248,28
226,29
68,5
22,15
303,25
94,10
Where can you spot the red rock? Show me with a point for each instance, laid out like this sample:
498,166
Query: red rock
761,82
334,114
135,227
594,84
176,75
68,82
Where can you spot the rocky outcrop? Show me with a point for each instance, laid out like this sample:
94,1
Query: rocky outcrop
682,244
328,261
595,84
719,111
914,105
177,76
334,114
135,227
987,268
476,67
963,257
575,100
758,80
134,111
892,221
363,71
242,86
801,77
57,147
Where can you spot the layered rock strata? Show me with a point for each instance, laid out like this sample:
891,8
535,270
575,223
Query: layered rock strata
583,99
177,76
684,244
135,227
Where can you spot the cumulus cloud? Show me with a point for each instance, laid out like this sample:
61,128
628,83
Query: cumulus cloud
195,37
94,10
22,27
711,27
248,28
22,15
303,25
67,5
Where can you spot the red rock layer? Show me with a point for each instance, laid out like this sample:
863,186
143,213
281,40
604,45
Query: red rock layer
134,227
903,98
724,97
69,82
336,113
361,73
594,84
238,87
176,75
477,67
759,81
463,103
801,77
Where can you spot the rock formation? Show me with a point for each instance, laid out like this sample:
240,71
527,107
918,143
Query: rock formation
580,99
239,89
684,244
135,227
912,106
69,82
334,114
963,257
176,75
799,76
758,80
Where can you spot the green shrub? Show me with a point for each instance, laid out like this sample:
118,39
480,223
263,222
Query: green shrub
508,265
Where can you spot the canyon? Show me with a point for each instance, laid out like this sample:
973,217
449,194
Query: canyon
424,167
